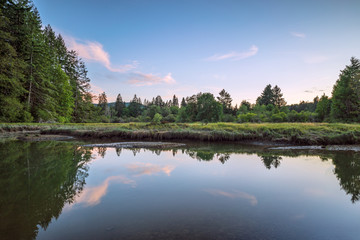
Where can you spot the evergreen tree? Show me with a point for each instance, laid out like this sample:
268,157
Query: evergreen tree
346,93
103,103
119,106
158,101
266,96
11,76
278,99
175,102
134,107
183,102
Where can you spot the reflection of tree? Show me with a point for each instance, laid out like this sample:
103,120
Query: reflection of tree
135,151
101,151
347,171
36,181
118,151
208,155
223,157
270,160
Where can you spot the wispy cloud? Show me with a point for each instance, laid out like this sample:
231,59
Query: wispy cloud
298,35
234,195
143,79
235,56
94,51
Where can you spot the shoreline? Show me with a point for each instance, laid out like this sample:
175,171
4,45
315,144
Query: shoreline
300,134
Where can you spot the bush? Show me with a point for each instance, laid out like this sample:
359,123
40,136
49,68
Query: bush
248,117
104,119
228,118
157,118
170,118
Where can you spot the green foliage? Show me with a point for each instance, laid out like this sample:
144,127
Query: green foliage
208,108
157,118
323,108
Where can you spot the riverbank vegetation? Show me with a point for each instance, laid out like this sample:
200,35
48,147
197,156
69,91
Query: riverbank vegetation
295,133
43,81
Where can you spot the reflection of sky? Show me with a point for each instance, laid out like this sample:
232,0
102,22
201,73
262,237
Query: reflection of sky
162,189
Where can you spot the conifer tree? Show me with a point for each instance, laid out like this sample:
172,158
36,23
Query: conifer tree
119,106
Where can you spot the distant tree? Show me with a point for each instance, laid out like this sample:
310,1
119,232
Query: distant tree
266,96
135,107
159,102
346,93
103,103
183,102
225,100
119,106
323,107
191,107
278,99
175,102
245,106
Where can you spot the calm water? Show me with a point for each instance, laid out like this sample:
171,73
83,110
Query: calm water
58,190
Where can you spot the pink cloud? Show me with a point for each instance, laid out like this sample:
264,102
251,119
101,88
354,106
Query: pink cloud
94,51
143,79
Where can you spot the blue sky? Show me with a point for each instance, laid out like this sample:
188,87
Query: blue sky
170,47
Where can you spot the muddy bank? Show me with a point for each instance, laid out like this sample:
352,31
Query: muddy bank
38,137
137,145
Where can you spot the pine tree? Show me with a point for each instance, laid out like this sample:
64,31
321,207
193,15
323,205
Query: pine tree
278,99
119,106
266,96
103,103
175,102
11,76
183,102
346,93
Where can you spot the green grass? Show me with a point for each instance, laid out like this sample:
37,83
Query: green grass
298,133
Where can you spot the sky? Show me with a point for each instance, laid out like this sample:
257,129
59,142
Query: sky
168,47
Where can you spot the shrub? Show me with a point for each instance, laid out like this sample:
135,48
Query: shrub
157,118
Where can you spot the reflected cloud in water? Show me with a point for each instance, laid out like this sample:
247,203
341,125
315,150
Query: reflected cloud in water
139,169
234,195
92,195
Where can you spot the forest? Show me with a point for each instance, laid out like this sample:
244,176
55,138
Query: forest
41,80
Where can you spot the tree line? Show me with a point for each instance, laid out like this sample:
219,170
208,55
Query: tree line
43,81
270,106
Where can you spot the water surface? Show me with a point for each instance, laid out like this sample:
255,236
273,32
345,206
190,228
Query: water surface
59,190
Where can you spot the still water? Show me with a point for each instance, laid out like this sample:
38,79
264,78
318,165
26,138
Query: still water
60,190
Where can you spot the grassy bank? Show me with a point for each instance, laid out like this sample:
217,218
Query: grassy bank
295,133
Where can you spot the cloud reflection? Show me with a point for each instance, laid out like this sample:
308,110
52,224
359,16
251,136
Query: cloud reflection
92,195
139,169
234,195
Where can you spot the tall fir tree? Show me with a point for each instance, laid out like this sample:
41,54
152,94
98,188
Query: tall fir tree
346,93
